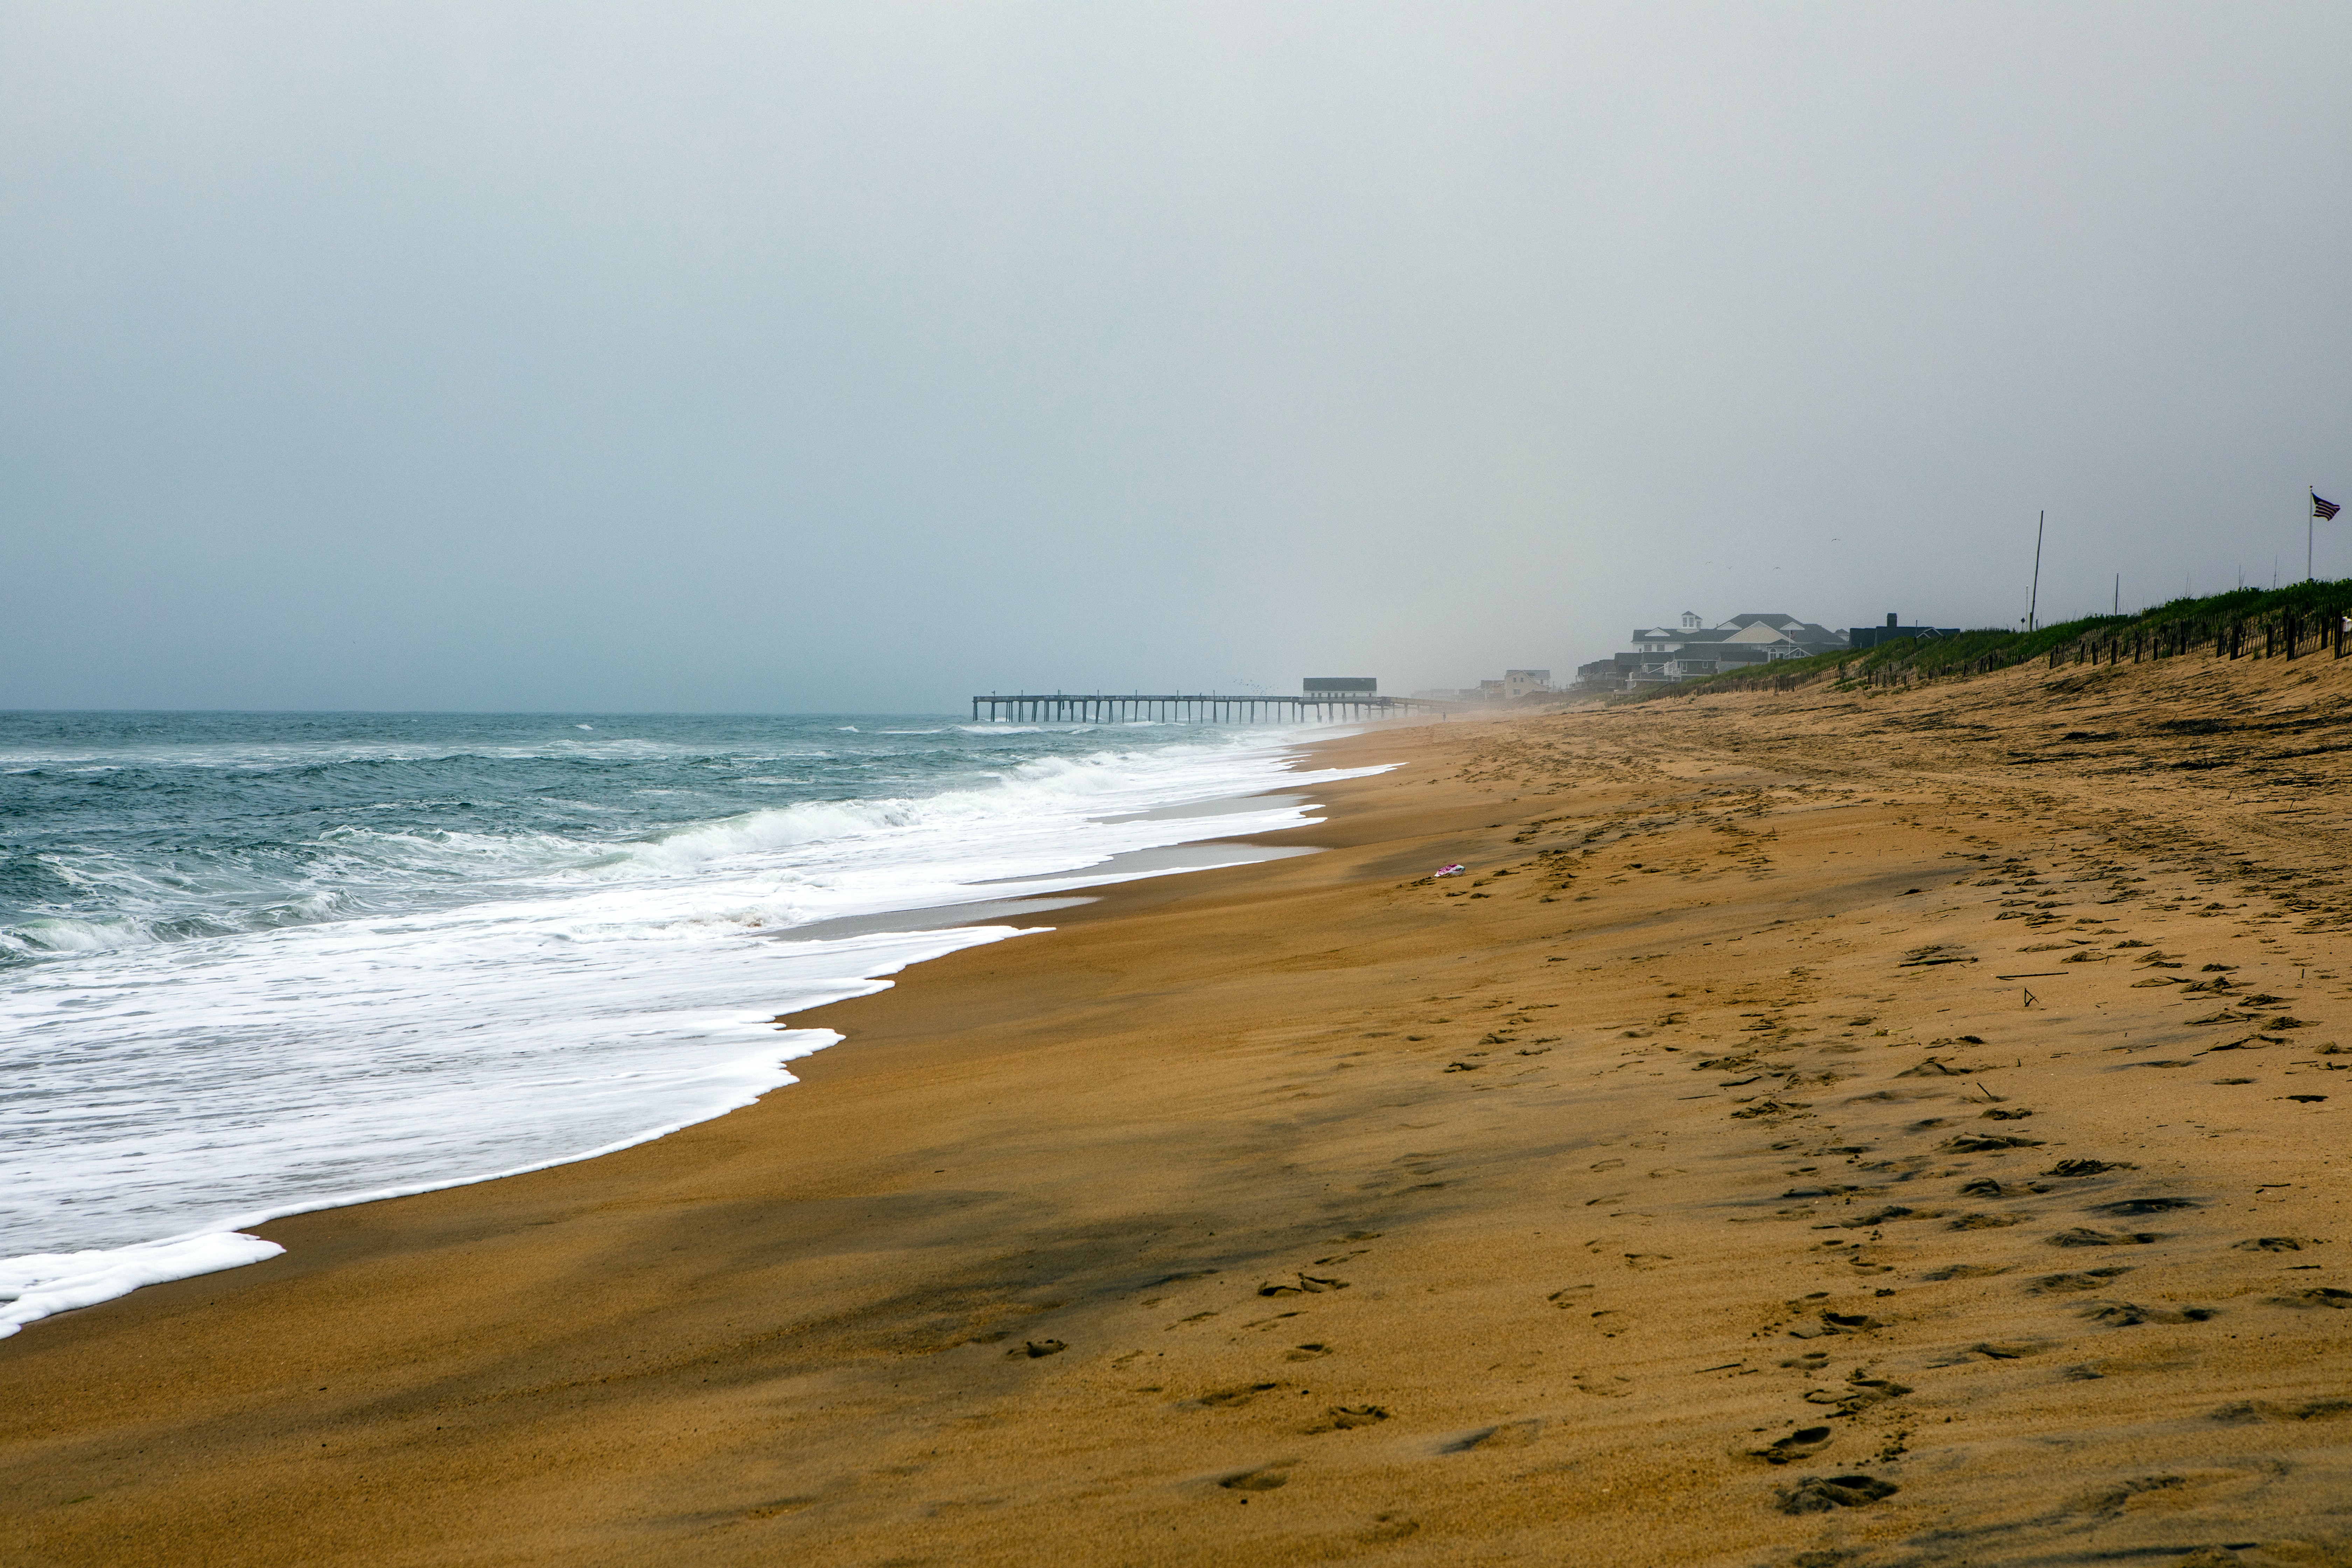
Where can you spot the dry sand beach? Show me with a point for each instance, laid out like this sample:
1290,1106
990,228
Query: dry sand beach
1821,1129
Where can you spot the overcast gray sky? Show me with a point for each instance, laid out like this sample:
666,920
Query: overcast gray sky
863,356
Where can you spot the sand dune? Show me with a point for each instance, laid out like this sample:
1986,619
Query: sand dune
1820,1129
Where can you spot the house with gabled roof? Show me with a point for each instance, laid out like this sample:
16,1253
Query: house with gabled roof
1692,648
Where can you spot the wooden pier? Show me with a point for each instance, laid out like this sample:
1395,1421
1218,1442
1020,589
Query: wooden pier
1195,707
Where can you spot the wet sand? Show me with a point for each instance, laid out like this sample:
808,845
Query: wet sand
1822,1130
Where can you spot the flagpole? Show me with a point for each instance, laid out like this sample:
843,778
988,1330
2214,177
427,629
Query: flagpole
2033,600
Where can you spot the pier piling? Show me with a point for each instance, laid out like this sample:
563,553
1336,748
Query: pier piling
1187,708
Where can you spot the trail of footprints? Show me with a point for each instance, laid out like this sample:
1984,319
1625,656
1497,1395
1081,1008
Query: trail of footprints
2108,1205
2074,1236
2051,1229
2077,1205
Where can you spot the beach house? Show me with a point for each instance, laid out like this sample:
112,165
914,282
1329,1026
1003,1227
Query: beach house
1691,648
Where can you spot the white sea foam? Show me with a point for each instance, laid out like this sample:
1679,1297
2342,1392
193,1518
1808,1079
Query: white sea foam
35,1286
580,997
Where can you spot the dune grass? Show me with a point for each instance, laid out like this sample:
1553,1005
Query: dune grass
1968,653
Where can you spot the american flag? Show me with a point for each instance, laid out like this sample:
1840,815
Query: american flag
2322,508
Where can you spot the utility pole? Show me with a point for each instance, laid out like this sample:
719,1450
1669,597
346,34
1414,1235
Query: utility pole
2033,601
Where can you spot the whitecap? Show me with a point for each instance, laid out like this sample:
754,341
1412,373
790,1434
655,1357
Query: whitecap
576,992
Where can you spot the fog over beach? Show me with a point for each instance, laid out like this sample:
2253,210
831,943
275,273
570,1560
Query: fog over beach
902,783
535,357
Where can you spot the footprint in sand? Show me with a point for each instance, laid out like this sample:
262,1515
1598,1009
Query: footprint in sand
1770,1108
2318,1296
2081,1236
2088,1167
2274,1244
1035,1350
1227,1398
2131,1314
1346,1418
1306,1353
1860,1394
1801,1444
1986,1187
1818,1494
2090,1279
1264,1479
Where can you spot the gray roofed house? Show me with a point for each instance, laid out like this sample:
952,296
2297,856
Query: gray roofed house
1689,649
1893,631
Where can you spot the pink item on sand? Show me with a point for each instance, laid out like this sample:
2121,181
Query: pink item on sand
1449,871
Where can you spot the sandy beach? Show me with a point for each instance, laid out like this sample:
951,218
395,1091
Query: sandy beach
1868,1129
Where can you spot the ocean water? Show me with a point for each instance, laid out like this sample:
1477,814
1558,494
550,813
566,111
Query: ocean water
252,964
